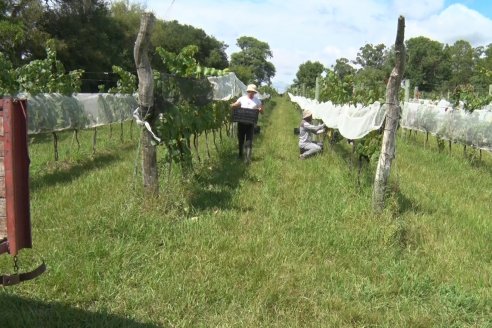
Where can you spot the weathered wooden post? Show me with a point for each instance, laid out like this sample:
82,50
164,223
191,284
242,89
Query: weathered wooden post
406,99
146,102
316,91
393,114
407,90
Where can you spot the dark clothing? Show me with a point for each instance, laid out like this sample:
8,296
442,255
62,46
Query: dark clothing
245,137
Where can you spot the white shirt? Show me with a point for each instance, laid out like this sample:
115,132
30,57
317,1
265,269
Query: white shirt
247,102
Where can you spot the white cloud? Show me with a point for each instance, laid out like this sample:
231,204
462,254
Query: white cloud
418,9
454,23
324,30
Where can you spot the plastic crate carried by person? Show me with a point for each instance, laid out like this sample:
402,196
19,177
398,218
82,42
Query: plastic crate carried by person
245,115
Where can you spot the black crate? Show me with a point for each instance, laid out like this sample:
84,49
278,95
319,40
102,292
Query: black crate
245,115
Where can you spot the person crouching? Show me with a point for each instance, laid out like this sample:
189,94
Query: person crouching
308,147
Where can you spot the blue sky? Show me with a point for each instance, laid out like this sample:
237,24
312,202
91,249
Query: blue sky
482,6
325,30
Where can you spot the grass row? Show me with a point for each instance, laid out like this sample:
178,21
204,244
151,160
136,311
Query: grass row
281,242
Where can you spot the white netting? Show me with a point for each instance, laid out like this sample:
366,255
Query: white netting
474,129
441,119
55,112
353,122
229,86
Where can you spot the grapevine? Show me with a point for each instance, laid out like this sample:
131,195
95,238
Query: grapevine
184,96
346,91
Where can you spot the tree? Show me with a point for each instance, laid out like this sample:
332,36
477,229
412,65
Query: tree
370,79
21,38
482,71
253,60
307,74
371,56
487,60
342,68
461,62
426,63
87,37
173,37
127,18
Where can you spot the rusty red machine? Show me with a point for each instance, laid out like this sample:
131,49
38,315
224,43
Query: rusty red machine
15,221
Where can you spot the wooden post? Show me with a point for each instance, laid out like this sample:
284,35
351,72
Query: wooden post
94,141
405,100
407,90
146,102
316,92
55,145
392,118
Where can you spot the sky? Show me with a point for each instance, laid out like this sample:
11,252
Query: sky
325,30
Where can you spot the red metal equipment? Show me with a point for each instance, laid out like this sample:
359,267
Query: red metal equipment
15,222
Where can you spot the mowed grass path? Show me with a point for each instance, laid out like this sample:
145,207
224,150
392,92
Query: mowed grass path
279,243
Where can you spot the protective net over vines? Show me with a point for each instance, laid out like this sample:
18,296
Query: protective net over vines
474,129
353,122
440,119
229,86
55,112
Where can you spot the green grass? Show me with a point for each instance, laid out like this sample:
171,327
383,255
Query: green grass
279,243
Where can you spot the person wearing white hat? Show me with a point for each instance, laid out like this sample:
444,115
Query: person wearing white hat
245,131
306,146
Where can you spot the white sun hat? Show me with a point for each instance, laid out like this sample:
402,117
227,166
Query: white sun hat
306,114
252,88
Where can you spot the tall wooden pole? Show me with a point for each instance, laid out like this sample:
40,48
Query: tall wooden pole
393,114
407,90
316,91
146,102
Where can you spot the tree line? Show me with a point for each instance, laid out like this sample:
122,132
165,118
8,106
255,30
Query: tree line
95,35
437,70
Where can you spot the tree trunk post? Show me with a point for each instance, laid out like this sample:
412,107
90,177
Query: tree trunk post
392,119
316,92
146,102
407,90
55,145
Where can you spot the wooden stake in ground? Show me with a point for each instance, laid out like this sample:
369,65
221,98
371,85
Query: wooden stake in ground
392,119
146,102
